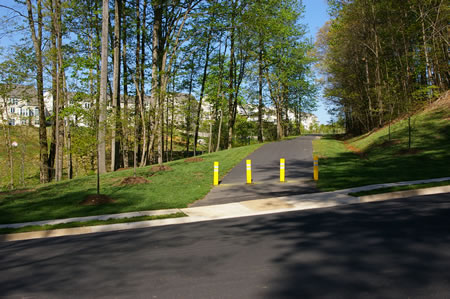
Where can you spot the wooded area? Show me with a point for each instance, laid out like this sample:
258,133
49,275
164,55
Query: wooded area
133,60
382,59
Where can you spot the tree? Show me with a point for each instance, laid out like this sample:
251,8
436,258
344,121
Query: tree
36,36
103,91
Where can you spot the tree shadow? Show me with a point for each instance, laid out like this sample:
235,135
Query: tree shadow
392,249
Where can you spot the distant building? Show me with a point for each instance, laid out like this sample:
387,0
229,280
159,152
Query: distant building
19,106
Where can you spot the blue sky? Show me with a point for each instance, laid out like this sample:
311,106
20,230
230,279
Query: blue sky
315,16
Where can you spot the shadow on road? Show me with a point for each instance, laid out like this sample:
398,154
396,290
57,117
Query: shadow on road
392,249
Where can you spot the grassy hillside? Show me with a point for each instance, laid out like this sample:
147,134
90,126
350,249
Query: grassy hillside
374,158
184,182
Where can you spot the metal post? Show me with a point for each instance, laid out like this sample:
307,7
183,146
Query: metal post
282,173
216,173
249,171
316,168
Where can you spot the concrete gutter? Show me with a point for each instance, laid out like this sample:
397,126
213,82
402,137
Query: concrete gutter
230,210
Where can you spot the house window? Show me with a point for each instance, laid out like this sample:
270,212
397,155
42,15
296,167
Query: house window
12,122
36,111
30,112
36,121
24,121
12,110
87,105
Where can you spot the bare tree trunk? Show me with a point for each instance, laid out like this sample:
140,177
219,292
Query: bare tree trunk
59,93
220,131
157,23
116,130
7,135
103,91
202,91
232,77
125,124
260,92
37,43
188,117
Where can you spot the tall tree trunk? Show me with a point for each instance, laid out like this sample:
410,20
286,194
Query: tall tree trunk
116,130
125,124
188,112
60,94
54,60
37,43
202,91
231,77
103,91
157,23
260,91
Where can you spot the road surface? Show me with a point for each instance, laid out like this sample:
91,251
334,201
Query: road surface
391,249
266,174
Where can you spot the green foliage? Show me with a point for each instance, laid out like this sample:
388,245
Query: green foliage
382,59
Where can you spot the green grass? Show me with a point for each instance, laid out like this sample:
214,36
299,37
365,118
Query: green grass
33,228
400,188
176,188
384,161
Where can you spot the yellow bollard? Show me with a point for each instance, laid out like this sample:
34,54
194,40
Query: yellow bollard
249,171
216,173
316,167
282,170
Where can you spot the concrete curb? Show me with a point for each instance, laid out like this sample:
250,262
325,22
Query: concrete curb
406,193
232,210
89,218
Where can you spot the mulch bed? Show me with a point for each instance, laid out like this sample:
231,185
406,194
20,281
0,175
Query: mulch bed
96,199
193,159
161,168
132,180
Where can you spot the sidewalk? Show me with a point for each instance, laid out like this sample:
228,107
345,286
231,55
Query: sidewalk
229,210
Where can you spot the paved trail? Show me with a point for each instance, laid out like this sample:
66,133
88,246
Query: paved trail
266,174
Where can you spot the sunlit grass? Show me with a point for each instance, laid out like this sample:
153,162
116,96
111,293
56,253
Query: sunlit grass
381,160
185,183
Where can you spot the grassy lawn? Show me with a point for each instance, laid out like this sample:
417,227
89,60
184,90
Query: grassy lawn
372,158
33,228
400,188
184,183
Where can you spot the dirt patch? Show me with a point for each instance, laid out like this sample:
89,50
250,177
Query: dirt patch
161,168
405,152
132,180
442,102
96,199
120,169
193,159
355,150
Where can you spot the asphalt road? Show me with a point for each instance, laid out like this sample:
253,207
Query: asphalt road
266,174
391,249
